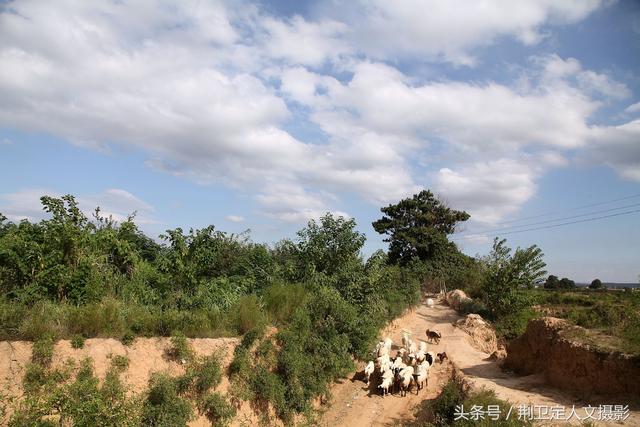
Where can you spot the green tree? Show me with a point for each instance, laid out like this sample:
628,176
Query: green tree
330,244
596,284
507,275
417,227
552,282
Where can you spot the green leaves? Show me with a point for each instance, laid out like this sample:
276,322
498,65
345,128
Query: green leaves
507,275
417,227
331,244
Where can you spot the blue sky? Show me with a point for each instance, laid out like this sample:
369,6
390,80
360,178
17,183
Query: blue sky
263,115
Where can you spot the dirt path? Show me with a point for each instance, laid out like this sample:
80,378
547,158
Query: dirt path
354,405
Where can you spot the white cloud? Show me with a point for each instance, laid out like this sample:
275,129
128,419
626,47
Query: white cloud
113,202
558,70
210,93
488,190
234,218
6,141
633,108
618,147
302,42
448,30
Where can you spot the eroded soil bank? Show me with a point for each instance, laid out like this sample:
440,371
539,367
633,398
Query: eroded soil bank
547,348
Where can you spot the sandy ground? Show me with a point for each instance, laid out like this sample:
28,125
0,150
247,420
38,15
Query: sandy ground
355,405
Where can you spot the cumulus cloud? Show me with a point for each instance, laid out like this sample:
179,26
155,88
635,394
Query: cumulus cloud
488,190
633,108
210,92
443,29
618,147
113,202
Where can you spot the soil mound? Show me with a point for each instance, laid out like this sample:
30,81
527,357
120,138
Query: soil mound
456,298
565,363
480,334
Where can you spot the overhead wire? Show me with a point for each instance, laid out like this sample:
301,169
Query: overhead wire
555,225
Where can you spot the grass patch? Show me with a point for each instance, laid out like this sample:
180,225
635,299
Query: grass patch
77,341
42,352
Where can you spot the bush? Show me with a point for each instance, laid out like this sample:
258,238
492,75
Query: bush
200,376
77,341
180,349
513,325
42,352
445,404
163,407
474,306
216,408
281,301
128,338
35,377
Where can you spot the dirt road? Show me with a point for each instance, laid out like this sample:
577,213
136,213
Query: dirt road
355,405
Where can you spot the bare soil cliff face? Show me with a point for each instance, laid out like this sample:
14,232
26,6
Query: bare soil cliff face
571,365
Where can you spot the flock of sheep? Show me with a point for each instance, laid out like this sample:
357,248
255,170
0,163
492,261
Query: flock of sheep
410,365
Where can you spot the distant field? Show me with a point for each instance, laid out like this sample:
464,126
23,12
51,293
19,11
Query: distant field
611,314
612,285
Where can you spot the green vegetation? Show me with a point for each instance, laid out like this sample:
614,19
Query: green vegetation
163,407
441,412
218,410
552,282
73,277
77,341
613,314
42,352
180,350
54,399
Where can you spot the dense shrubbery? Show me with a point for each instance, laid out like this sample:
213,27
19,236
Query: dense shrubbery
70,277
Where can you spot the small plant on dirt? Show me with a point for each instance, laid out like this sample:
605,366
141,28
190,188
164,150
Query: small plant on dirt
120,362
163,407
200,376
216,408
42,352
77,341
180,350
128,338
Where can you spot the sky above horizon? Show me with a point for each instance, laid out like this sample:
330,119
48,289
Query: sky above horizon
263,115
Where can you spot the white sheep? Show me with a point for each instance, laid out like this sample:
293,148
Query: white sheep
388,343
384,362
381,349
406,340
412,347
430,302
386,383
422,347
422,377
369,369
406,375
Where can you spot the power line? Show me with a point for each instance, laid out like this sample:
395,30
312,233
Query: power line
572,209
559,225
464,233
